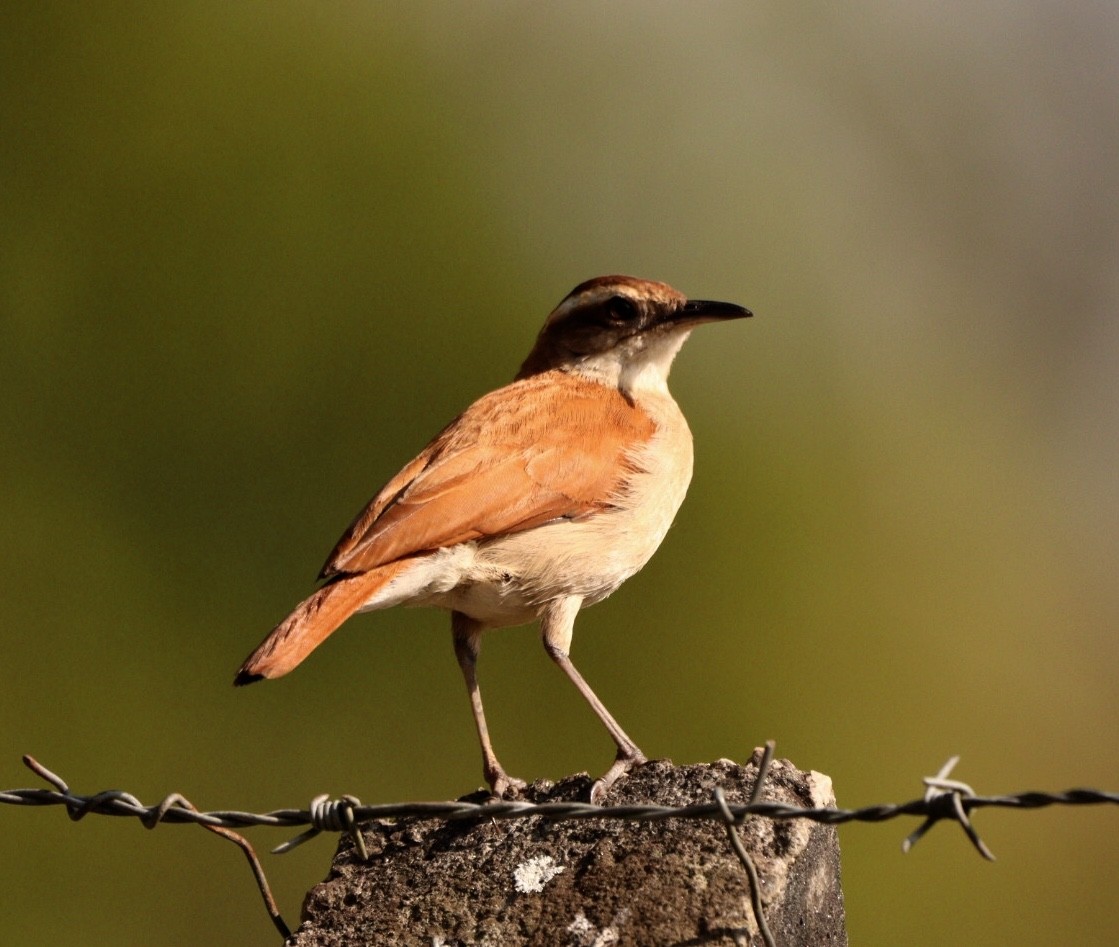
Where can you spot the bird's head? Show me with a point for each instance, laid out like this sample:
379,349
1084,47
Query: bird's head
621,331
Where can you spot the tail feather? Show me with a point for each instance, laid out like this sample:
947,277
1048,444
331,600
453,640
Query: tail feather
313,620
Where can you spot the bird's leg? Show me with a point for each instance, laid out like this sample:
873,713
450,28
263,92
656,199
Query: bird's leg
556,627
468,641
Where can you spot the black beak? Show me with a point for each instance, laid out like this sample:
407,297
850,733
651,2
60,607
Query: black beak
696,311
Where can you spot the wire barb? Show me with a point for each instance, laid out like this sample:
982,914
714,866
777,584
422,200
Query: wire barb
945,800
328,815
732,821
78,807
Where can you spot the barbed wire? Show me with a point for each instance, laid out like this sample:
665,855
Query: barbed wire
944,799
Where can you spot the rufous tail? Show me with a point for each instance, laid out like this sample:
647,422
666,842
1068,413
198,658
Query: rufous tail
313,620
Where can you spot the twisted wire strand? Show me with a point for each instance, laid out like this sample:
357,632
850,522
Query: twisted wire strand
119,803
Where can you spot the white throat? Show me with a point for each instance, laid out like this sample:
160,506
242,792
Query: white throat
638,364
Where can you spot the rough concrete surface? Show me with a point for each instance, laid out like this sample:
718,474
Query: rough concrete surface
591,883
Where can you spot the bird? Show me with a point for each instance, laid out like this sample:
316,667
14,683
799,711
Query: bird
540,499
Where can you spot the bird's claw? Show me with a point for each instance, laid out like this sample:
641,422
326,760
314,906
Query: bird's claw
504,786
623,763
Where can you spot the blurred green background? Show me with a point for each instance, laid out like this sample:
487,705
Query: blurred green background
253,255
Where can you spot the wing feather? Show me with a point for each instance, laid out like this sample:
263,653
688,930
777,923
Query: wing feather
546,447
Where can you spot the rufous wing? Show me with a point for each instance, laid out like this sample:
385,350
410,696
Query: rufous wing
546,447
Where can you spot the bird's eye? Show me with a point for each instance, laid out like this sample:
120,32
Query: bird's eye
622,309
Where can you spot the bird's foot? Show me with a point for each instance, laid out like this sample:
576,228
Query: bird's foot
502,785
627,759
